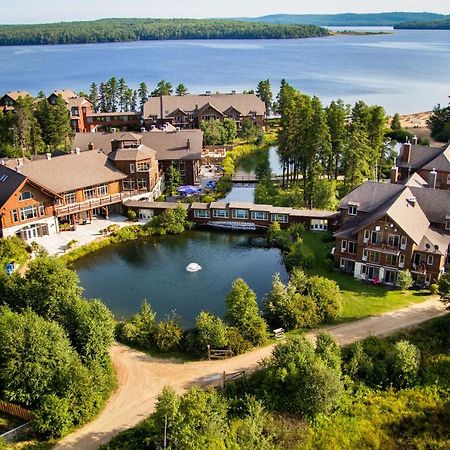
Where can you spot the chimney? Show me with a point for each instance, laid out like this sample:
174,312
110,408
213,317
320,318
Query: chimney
233,92
394,175
414,140
48,156
91,146
188,144
432,178
406,152
77,151
208,92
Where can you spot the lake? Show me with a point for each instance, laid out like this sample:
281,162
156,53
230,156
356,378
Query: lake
123,275
407,71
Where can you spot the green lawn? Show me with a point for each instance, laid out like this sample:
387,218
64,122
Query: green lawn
360,299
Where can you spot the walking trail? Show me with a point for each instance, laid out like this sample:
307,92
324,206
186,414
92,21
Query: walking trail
141,378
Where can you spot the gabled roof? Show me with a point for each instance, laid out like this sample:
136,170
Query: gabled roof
77,101
441,163
14,95
415,180
420,156
169,145
371,195
139,153
231,109
72,171
163,106
10,181
434,202
434,242
177,112
205,108
128,136
64,93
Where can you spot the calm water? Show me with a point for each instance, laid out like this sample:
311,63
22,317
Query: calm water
407,71
123,275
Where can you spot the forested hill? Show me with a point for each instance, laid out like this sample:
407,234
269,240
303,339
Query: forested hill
443,24
119,30
349,19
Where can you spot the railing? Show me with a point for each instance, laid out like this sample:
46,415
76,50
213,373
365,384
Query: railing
219,354
232,376
15,410
94,203
382,246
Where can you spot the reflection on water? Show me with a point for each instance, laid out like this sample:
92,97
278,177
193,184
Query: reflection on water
123,275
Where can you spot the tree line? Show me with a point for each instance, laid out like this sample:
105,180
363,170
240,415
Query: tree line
115,30
115,94
317,142
439,123
34,126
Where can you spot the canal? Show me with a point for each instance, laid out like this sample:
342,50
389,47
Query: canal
123,275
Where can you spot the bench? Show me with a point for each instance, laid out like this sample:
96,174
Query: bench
278,334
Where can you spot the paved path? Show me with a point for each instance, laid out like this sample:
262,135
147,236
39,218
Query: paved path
141,378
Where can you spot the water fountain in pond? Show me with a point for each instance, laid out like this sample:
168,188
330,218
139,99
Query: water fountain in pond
193,267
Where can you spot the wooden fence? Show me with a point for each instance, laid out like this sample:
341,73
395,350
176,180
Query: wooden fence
15,410
232,376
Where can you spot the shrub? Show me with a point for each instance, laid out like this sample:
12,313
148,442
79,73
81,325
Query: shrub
434,288
131,214
71,244
404,280
236,342
405,364
243,313
13,249
167,335
211,331
53,418
327,297
299,256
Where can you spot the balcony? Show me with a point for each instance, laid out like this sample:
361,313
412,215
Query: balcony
384,247
65,210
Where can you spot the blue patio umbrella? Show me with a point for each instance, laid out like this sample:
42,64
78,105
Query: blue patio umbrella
188,190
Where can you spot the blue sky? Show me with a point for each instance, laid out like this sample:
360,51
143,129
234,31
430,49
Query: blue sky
32,11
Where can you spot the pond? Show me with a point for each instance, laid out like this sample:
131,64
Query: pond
123,275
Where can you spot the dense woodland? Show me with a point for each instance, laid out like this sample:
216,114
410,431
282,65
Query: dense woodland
439,24
348,19
119,30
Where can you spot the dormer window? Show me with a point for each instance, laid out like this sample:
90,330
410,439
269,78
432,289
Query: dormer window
352,210
25,196
447,224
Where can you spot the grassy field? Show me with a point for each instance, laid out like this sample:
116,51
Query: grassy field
360,299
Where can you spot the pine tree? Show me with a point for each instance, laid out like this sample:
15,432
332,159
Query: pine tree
142,94
264,92
93,96
181,89
102,100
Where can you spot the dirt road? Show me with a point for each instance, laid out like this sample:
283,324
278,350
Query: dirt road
141,378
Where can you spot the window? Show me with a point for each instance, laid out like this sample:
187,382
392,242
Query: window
352,247
376,237
430,260
394,240
281,218
391,260
319,224
240,214
365,255
29,212
25,196
260,215
142,184
352,210
70,197
89,192
343,246
448,178
374,257
403,242
102,189
401,261
220,213
15,215
132,168
75,111
128,185
390,277
143,167
447,224
201,213
366,236
41,209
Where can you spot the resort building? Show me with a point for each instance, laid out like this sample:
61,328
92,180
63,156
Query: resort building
71,189
188,111
432,164
389,227
79,108
8,101
123,121
241,215
181,149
